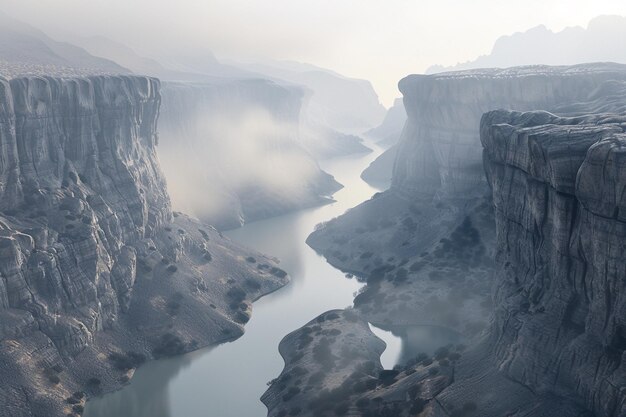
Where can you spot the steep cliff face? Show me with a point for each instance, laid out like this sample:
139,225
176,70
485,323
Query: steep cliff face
555,345
433,227
559,193
96,272
79,183
236,143
440,152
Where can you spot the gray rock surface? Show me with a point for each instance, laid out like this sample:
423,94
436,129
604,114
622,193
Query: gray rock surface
558,185
332,367
231,151
96,272
554,345
438,183
440,152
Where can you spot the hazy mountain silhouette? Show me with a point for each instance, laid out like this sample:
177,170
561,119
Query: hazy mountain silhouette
601,41
22,43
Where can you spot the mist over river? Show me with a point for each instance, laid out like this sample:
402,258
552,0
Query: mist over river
227,380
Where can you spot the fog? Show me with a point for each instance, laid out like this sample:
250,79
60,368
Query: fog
369,39
225,163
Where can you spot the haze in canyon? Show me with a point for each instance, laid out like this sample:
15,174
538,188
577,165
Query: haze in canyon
319,209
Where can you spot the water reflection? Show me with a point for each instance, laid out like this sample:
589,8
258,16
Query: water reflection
228,380
147,396
391,355
406,342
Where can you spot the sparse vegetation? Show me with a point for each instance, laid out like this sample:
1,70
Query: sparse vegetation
126,361
169,345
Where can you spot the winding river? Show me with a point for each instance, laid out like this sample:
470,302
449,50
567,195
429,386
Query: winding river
227,380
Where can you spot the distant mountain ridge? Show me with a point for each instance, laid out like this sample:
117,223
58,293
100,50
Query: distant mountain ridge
602,41
32,48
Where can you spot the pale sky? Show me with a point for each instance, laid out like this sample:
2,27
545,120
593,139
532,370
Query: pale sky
378,40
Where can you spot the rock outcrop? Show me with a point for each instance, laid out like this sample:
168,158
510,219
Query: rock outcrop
555,342
559,195
440,152
231,151
96,272
435,215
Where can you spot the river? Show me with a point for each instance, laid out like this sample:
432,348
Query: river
227,380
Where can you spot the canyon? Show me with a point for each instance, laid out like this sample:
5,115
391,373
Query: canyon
544,321
494,260
98,274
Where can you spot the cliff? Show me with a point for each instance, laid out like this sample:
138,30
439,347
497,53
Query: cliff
440,152
433,228
558,189
231,151
96,272
555,342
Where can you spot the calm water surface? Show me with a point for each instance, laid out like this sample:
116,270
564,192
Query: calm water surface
227,380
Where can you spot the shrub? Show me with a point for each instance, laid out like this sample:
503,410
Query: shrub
172,269
332,316
241,317
94,382
124,362
277,272
169,345
236,294
252,283
251,259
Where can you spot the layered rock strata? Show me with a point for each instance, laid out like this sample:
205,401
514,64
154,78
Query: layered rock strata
439,185
555,343
97,274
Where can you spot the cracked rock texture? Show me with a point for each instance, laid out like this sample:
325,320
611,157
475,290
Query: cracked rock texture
440,151
96,272
439,185
559,189
555,344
